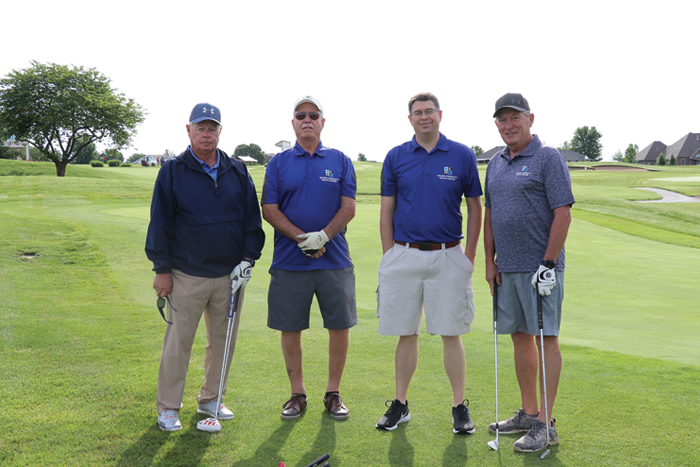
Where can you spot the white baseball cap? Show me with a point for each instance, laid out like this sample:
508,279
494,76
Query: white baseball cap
310,99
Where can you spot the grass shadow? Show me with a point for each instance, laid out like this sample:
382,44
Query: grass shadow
401,452
270,448
456,453
324,443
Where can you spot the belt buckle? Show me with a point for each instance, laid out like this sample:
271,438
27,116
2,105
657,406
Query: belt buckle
425,246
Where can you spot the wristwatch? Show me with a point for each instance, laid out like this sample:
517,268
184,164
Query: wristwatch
548,263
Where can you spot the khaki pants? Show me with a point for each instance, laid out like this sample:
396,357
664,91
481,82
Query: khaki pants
191,296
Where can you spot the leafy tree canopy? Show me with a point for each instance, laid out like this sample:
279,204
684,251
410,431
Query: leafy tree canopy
361,157
661,160
250,150
478,150
61,110
586,141
672,160
618,156
87,154
565,146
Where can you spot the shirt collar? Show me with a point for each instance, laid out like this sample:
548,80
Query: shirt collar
299,151
205,165
442,145
532,147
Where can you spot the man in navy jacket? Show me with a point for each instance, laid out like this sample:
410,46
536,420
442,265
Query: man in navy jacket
205,230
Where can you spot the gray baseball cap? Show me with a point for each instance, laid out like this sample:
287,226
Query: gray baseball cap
512,101
205,111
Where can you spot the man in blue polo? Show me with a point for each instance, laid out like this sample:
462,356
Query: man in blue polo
424,265
309,198
526,221
205,230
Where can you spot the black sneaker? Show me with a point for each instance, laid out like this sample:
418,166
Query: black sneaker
461,420
397,413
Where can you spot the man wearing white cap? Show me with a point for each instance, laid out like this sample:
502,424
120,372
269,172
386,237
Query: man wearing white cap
205,230
309,198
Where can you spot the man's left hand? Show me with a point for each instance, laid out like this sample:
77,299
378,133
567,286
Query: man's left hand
242,273
313,241
544,280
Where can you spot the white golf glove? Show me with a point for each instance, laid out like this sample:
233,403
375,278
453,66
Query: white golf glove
313,241
241,274
544,280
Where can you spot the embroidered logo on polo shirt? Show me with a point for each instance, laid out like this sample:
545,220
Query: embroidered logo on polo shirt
329,177
524,171
447,174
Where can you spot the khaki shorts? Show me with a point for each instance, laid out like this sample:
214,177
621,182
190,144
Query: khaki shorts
438,281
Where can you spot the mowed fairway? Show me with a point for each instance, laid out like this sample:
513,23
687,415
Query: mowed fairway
80,340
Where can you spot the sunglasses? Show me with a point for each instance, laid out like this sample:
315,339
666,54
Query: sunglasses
312,115
160,303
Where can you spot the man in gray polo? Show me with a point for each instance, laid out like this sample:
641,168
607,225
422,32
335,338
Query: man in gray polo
526,220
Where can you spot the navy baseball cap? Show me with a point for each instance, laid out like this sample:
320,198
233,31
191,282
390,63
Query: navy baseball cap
512,101
205,111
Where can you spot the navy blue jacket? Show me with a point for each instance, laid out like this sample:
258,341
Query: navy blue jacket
199,226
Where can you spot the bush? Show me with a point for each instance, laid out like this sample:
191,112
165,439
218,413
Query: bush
125,164
114,163
96,164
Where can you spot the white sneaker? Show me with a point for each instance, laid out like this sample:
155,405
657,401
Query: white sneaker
168,420
209,408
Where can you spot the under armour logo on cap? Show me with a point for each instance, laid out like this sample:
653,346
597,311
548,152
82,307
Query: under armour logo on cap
513,101
205,111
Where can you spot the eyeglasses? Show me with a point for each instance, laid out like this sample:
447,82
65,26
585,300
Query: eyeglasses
420,113
160,303
312,115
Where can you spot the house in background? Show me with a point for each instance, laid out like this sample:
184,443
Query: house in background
650,154
686,151
569,156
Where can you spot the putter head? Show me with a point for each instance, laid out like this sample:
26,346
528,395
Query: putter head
210,425
493,444
545,454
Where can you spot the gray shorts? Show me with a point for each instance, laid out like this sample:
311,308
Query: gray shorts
291,293
517,305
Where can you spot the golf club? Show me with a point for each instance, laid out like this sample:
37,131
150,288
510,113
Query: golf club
318,461
544,374
213,424
494,443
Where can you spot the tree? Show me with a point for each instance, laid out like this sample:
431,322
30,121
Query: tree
86,155
661,160
631,154
565,146
361,157
478,150
61,110
113,154
250,150
618,156
587,142
672,160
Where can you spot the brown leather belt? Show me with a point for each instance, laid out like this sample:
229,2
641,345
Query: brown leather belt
429,246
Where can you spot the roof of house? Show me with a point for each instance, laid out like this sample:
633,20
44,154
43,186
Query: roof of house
687,146
486,156
651,152
572,156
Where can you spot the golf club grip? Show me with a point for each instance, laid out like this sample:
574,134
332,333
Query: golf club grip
539,311
495,299
234,301
318,461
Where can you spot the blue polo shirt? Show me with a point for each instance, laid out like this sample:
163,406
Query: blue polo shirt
429,189
307,188
522,193
212,171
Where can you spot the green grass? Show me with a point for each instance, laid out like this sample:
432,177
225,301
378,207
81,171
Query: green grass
80,340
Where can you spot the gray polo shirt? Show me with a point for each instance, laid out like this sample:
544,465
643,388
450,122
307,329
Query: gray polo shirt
522,193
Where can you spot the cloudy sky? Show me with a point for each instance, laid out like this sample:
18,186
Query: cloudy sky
628,68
